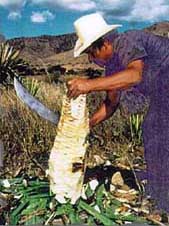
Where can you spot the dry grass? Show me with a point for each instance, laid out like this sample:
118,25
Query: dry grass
28,138
111,140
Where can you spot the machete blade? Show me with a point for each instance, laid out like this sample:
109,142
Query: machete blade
35,104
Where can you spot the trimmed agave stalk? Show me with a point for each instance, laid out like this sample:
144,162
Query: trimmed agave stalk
67,158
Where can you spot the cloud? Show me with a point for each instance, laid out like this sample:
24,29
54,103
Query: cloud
14,15
116,8
132,10
12,5
135,10
68,4
150,10
41,17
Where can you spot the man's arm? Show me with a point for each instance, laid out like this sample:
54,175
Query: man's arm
118,81
121,80
107,108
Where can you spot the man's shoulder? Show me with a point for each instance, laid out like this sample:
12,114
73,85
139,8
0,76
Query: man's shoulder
130,37
132,33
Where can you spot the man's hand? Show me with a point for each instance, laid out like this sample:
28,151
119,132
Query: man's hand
78,86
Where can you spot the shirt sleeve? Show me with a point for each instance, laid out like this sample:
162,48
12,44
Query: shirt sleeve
127,48
130,47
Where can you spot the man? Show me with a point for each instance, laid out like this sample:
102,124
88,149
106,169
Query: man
133,59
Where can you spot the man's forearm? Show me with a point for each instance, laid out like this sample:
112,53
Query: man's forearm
104,112
120,80
98,116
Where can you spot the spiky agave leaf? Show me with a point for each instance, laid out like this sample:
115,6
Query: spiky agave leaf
9,63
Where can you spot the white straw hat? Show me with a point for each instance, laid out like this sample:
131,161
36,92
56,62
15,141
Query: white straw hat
89,28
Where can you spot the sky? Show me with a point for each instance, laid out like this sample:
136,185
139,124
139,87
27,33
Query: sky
27,18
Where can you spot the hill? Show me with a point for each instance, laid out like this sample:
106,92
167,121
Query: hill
48,51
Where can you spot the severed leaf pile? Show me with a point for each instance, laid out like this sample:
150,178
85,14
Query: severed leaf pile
29,201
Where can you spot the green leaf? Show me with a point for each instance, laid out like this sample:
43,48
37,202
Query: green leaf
88,191
130,217
41,196
64,209
34,205
100,193
35,220
90,221
110,211
73,218
14,216
116,202
59,212
102,218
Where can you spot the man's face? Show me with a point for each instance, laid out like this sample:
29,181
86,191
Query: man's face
104,53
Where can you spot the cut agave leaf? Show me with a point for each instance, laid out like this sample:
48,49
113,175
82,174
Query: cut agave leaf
100,217
34,220
15,215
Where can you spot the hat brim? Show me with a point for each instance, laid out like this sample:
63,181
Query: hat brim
81,47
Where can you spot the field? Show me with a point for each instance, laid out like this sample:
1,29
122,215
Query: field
112,193
114,155
23,131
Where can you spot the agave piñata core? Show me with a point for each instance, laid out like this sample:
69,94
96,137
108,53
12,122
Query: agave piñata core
67,158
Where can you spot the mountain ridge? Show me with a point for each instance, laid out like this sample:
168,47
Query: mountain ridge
49,50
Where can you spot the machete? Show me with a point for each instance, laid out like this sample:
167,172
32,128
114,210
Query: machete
35,104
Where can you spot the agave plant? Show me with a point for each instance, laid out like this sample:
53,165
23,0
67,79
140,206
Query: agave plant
32,85
9,63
